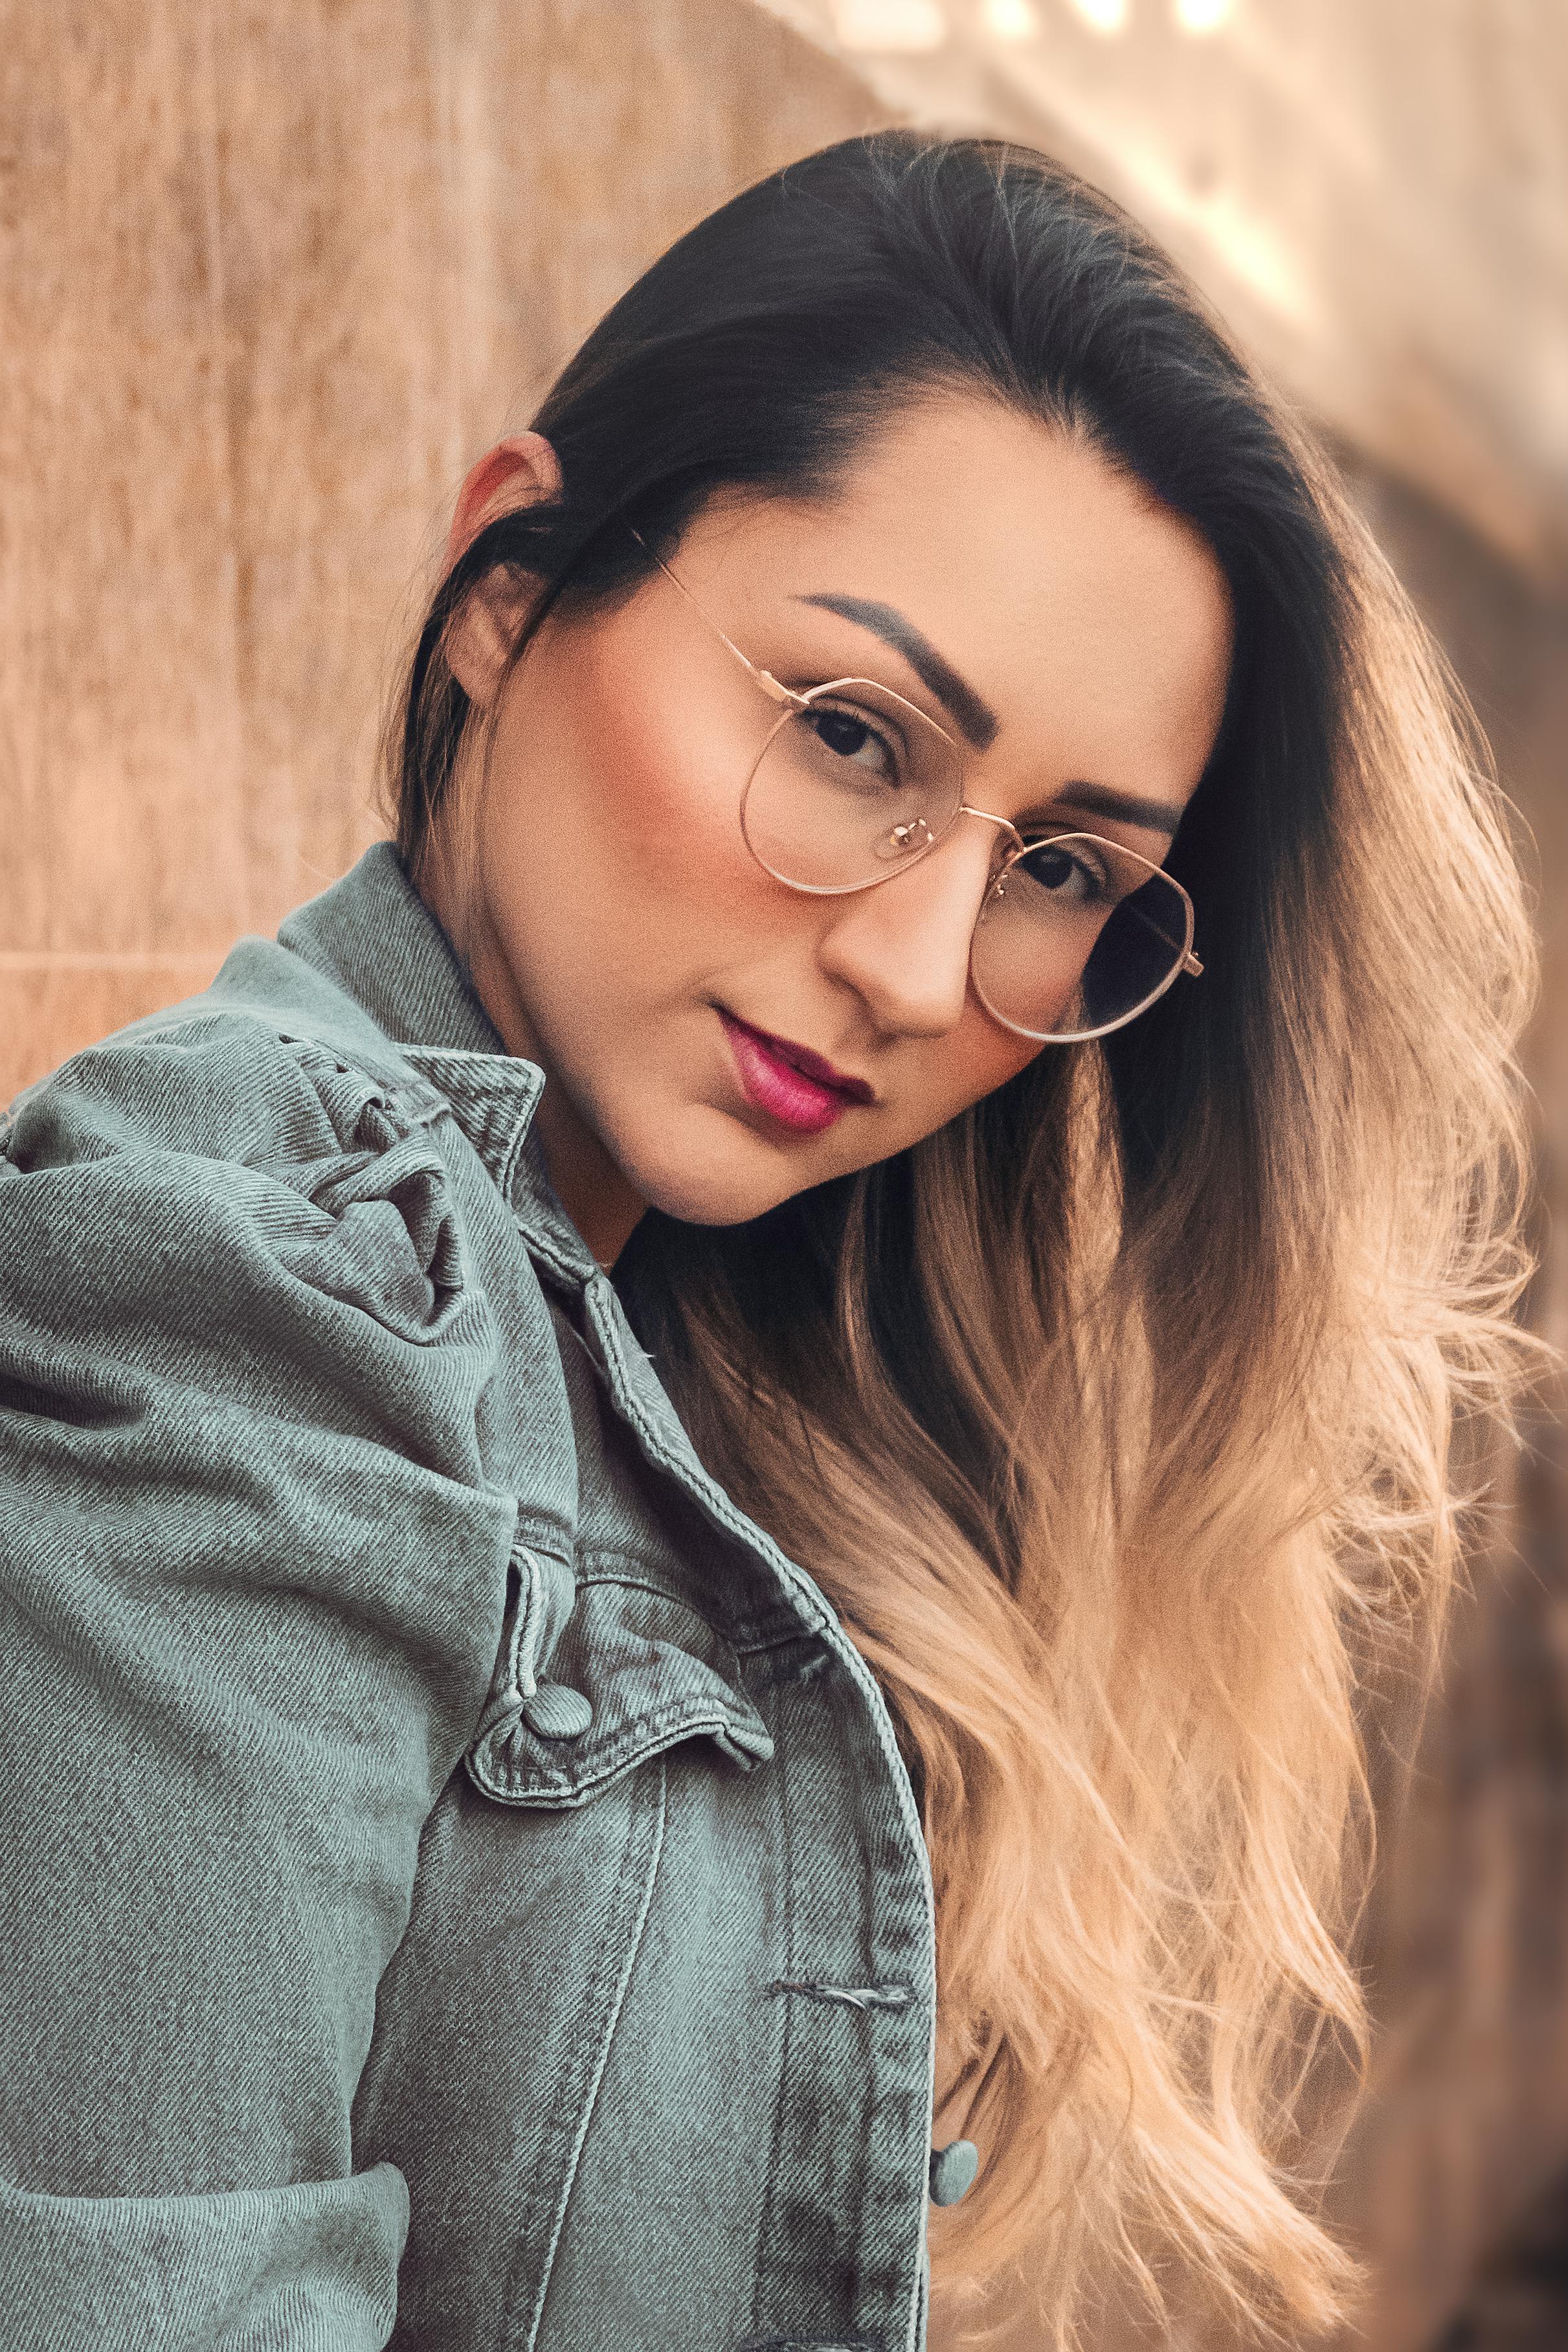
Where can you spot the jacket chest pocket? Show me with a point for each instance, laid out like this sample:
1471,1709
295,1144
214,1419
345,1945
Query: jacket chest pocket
597,1673
596,1677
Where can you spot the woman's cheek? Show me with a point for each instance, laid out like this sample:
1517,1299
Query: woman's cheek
668,807
976,1059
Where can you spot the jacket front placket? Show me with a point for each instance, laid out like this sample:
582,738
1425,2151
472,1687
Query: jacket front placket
840,2258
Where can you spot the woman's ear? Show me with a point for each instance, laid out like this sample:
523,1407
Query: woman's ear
516,473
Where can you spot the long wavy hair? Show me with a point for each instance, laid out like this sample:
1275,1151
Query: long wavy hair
1117,1417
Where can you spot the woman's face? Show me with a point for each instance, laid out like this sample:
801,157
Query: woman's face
1071,634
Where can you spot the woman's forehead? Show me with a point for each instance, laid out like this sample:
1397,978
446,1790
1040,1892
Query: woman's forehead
1063,596
988,517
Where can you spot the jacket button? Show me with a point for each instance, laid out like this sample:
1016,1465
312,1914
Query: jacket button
556,1711
952,2170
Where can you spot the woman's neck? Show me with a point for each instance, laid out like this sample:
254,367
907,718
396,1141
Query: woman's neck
600,1199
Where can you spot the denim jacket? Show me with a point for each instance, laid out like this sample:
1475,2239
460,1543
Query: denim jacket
461,1886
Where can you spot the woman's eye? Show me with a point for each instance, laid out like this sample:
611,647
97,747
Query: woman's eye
849,737
1065,872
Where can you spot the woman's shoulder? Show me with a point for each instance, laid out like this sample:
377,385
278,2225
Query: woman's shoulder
255,1170
273,1064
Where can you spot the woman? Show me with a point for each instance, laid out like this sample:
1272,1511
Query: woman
938,884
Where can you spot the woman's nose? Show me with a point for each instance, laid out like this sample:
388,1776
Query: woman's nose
903,947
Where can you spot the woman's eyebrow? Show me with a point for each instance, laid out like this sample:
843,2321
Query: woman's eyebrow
977,720
974,714
1132,808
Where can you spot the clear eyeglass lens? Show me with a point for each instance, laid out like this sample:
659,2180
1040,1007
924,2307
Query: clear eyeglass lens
852,787
1076,937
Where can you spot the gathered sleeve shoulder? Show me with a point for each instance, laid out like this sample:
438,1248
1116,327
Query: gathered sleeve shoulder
251,1586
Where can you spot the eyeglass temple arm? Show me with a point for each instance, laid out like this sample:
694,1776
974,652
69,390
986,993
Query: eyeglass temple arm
765,679
1189,963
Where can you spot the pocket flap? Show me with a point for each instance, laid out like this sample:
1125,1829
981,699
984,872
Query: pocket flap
633,1669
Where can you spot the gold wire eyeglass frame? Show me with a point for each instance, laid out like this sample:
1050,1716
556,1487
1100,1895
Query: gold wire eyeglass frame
792,704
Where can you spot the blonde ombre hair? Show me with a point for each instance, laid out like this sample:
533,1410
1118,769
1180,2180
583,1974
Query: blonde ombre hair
1117,1418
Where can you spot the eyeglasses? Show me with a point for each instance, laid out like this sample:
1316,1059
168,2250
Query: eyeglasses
1075,936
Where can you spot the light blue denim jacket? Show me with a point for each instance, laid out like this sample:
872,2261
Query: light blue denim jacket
461,1888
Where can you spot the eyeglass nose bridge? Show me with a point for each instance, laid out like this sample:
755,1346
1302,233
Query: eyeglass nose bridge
908,836
1002,824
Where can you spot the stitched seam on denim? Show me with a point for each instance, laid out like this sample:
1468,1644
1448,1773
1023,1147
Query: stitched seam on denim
523,1652
612,1758
714,1497
715,1500
538,1246
723,1510
565,1284
815,1611
508,1163
673,1712
588,1572
893,1996
627,1571
537,2192
287,1031
552,1537
811,2344
480,1059
522,1101
606,2038
744,1634
783,1783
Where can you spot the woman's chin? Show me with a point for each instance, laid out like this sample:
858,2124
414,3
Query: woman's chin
720,1175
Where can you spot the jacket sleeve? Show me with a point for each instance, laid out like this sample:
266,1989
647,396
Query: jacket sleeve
251,1584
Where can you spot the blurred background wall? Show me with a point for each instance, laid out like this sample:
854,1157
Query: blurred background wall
272,274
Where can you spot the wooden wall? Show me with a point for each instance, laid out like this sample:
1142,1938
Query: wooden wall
271,276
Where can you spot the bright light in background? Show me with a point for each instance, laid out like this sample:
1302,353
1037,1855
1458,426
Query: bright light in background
910,27
1204,16
1103,15
1011,20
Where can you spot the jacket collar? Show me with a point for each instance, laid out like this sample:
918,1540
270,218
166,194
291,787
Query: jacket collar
397,1001
374,937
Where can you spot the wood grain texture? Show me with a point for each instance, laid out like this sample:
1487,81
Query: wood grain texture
271,276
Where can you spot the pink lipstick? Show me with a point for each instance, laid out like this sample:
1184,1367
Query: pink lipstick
799,1089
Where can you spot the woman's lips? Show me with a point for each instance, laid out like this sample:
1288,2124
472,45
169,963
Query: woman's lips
789,1082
